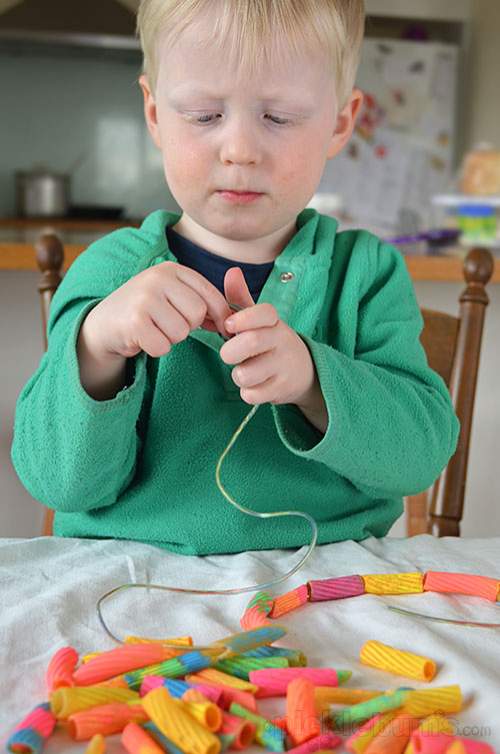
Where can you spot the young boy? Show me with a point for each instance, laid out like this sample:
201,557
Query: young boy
149,370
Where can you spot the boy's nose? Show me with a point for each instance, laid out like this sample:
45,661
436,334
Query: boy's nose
240,145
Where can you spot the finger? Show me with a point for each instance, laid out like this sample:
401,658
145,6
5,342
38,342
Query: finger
169,321
151,339
248,344
263,393
217,306
188,303
255,371
236,288
258,315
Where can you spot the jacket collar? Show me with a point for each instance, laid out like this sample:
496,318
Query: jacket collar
298,281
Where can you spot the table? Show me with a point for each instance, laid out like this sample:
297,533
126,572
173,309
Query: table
49,587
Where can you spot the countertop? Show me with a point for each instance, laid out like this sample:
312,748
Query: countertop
18,236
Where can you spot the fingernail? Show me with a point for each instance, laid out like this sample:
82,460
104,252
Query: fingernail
229,323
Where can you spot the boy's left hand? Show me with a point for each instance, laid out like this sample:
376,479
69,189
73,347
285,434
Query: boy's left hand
273,364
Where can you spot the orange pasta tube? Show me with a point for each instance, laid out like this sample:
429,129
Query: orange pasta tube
359,741
285,603
97,745
397,661
64,702
61,668
442,699
136,741
106,719
395,737
177,725
122,660
462,583
302,722
326,695
432,724
394,583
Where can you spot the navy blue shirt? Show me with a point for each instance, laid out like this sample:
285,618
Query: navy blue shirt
214,267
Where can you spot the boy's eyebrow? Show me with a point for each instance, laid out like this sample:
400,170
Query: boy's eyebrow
200,90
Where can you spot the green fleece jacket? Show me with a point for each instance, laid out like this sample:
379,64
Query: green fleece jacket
142,465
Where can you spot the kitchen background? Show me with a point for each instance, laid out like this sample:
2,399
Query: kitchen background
74,106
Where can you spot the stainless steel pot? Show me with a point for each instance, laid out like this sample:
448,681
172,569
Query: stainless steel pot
42,193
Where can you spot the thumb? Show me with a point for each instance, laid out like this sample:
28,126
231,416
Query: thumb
236,288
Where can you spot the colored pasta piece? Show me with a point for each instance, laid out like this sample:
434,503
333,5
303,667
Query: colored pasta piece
462,583
61,668
178,725
336,588
302,722
378,655
394,583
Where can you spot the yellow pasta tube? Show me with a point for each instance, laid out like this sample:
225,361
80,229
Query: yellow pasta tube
177,725
432,724
65,701
179,641
394,583
204,711
217,676
97,745
397,661
326,695
442,699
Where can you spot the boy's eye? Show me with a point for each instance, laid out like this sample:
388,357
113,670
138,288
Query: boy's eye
206,118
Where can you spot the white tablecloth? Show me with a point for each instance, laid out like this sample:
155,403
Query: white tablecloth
49,588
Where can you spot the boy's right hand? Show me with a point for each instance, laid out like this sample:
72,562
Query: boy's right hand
152,311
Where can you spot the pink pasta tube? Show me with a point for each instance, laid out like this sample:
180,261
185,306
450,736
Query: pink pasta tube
438,743
326,741
397,661
336,589
136,741
60,669
302,721
121,660
105,719
462,583
274,681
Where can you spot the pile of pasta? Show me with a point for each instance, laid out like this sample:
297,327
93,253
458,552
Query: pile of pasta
170,696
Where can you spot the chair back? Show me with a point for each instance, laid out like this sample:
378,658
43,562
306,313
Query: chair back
453,348
49,252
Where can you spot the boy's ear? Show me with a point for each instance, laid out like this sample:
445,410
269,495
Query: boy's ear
150,111
346,120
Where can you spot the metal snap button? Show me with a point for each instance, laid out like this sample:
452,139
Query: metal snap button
286,276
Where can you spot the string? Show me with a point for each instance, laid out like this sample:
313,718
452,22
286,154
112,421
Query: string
235,590
443,620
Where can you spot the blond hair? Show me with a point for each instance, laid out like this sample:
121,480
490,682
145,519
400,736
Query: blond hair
337,26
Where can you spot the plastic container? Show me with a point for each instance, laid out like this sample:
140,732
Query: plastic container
477,218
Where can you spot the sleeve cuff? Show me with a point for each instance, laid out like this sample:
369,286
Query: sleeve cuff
135,372
295,431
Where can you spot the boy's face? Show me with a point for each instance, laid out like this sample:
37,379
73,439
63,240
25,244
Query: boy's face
219,129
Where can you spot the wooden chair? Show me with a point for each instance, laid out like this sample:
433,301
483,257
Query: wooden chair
453,346
50,259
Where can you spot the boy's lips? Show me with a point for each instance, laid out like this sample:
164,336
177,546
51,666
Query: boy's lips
240,197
